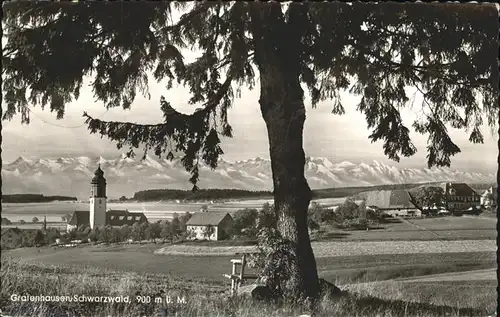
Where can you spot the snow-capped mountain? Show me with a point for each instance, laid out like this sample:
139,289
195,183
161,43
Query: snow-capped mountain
71,175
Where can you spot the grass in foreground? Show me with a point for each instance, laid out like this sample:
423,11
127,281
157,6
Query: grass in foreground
203,298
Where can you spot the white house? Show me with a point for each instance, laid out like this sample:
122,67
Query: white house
209,225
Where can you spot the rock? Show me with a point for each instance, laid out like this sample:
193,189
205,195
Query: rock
255,291
327,288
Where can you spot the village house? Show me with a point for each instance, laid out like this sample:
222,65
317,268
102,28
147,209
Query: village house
11,237
97,215
209,225
396,203
489,198
460,197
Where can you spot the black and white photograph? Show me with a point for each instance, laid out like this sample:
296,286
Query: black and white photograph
249,159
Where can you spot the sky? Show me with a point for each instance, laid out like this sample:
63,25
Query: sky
338,137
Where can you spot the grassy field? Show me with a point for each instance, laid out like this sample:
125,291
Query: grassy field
442,228
210,299
368,268
388,275
341,269
453,293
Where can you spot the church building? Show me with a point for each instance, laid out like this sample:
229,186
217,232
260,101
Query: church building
98,215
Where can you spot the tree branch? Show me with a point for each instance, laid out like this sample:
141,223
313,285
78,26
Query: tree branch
188,17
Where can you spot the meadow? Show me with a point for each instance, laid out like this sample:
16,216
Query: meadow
210,298
441,228
143,259
421,267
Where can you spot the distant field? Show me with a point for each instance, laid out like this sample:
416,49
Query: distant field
442,228
448,223
153,210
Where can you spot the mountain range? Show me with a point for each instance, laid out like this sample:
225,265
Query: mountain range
71,175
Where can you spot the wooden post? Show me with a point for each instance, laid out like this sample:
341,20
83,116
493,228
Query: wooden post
242,272
238,277
233,282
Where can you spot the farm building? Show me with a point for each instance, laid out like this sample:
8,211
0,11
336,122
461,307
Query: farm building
11,237
460,196
209,225
397,203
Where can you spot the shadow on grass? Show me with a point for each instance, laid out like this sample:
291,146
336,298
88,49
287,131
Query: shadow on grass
332,236
404,308
219,243
390,220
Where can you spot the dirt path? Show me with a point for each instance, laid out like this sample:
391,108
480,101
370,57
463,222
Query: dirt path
477,275
353,248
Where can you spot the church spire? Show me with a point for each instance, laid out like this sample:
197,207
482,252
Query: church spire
98,183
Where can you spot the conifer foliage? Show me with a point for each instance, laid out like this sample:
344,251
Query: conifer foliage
447,51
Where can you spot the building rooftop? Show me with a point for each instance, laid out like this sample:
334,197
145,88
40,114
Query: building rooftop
459,189
207,218
80,217
388,199
113,218
5,230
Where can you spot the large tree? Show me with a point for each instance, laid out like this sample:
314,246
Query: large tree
430,196
447,51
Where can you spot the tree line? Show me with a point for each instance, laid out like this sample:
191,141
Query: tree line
201,194
214,194
165,230
34,198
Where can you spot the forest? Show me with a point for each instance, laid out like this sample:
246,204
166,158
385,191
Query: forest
34,198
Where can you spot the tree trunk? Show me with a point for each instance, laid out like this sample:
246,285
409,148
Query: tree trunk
282,107
498,193
285,121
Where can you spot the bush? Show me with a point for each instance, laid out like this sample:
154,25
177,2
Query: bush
349,210
318,214
274,260
182,223
93,235
311,224
39,238
266,217
51,235
355,224
245,223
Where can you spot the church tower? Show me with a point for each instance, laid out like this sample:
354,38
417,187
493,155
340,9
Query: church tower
98,199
